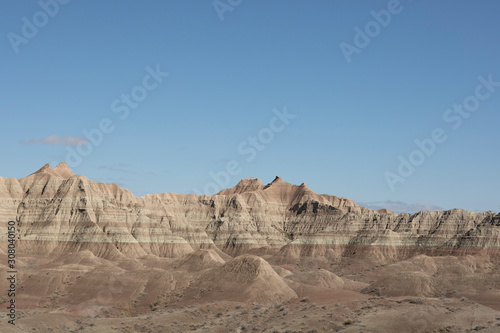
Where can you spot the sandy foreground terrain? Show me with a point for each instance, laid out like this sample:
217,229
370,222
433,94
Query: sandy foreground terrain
91,257
80,293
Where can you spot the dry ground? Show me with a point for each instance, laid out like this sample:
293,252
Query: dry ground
79,292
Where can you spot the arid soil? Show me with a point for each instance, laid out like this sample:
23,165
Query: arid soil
91,257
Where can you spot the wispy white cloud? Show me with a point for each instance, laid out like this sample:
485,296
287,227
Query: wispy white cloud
399,206
57,140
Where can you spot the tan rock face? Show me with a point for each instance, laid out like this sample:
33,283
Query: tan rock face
58,211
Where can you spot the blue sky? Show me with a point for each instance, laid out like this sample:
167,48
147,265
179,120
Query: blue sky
350,119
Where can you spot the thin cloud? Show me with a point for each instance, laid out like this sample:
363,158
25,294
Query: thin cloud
399,206
121,168
29,142
57,140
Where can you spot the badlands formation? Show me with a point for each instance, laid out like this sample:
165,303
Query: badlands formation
92,257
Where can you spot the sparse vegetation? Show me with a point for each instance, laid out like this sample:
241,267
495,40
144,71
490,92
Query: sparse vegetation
284,233
348,321
154,306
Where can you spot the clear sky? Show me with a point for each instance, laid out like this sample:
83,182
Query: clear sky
330,93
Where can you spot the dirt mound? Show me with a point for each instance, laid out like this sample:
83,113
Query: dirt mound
85,257
320,278
200,260
403,284
245,278
283,272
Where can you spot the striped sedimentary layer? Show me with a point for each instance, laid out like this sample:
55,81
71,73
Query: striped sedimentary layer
59,212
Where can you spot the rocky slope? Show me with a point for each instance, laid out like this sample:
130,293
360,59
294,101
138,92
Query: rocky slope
60,212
